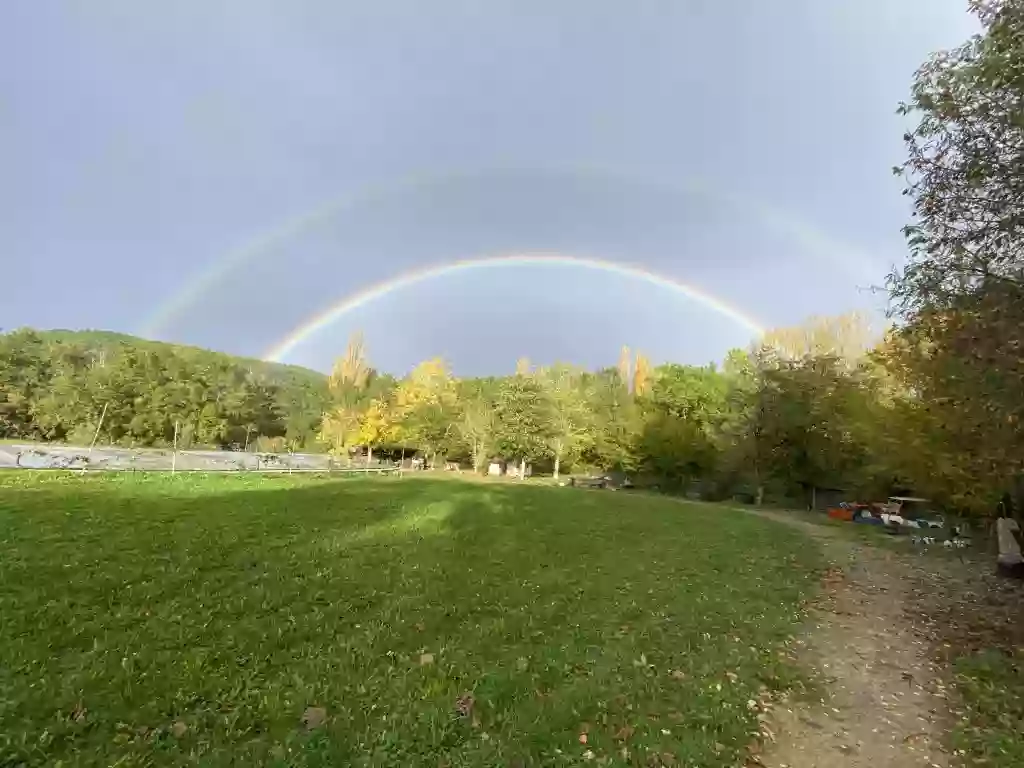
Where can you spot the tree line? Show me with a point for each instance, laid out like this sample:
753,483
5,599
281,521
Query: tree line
71,386
826,405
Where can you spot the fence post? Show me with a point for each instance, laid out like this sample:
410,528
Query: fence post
95,437
174,454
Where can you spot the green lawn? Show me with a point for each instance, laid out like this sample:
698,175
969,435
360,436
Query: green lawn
166,620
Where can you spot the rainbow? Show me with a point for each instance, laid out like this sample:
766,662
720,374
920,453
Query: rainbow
809,239
331,314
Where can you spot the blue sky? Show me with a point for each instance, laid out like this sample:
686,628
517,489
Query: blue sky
741,147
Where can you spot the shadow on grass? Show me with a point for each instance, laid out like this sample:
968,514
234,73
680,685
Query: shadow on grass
164,619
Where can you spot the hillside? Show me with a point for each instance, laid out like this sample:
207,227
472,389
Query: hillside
58,384
96,339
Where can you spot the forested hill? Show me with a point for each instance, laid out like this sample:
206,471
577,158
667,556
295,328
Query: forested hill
110,340
55,384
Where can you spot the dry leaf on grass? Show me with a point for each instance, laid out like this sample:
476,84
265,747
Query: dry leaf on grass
464,705
314,717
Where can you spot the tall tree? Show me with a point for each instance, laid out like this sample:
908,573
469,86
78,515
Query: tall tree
24,372
569,425
961,292
350,374
642,375
965,165
377,426
522,415
625,368
476,424
426,406
616,421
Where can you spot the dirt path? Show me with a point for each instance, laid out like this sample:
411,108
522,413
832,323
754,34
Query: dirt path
885,702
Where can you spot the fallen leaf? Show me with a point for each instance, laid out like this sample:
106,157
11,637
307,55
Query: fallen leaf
624,733
179,729
426,658
314,717
464,705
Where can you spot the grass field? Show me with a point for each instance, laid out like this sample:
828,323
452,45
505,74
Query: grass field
397,622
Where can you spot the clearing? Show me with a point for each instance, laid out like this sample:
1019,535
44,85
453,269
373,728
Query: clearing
294,621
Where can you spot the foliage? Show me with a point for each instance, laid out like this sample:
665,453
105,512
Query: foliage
523,416
617,421
965,166
476,424
426,406
55,385
569,419
191,619
961,294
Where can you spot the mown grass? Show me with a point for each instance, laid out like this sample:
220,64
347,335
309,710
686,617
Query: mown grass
168,620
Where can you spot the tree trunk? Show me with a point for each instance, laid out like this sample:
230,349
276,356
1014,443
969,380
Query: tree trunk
369,454
558,461
522,468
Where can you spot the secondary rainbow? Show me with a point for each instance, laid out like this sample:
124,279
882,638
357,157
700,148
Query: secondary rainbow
218,269
336,311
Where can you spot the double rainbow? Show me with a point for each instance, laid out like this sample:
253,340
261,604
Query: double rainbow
331,314
809,239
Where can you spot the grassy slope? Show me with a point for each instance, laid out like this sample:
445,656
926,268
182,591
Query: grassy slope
228,605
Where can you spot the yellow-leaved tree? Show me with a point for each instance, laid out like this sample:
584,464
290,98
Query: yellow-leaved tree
348,383
425,407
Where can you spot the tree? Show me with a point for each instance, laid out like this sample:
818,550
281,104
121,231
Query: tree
568,429
616,421
641,375
425,406
965,165
961,293
845,338
681,411
625,367
24,372
687,392
476,424
676,451
376,426
339,430
350,374
522,416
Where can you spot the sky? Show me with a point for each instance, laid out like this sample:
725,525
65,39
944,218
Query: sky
221,173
